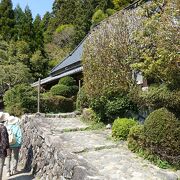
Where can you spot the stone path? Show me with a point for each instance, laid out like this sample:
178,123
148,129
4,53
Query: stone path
19,176
114,161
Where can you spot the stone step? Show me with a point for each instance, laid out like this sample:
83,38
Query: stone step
60,125
62,115
83,141
121,164
103,158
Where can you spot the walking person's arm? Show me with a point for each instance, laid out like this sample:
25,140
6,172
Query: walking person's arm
5,141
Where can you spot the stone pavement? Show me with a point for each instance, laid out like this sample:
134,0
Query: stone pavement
114,161
20,176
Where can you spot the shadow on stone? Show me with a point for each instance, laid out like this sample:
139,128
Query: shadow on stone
21,177
28,164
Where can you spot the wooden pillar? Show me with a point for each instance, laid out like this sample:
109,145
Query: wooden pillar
38,103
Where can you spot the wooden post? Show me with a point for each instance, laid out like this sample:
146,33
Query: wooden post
39,87
79,85
79,105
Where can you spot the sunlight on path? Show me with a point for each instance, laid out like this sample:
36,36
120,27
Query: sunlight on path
19,176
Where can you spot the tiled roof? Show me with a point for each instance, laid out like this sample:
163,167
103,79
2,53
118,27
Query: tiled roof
54,78
72,58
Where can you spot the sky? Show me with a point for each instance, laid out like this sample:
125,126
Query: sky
36,6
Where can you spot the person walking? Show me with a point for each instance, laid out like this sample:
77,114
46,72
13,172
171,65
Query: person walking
15,141
4,141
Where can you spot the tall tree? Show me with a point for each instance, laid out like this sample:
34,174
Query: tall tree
45,21
45,24
19,22
38,33
27,32
3,50
12,74
39,65
157,45
19,51
6,19
77,13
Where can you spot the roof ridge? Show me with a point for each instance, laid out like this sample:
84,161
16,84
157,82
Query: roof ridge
72,51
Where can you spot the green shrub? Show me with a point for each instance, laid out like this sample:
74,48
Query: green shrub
68,81
63,27
56,104
74,89
121,128
118,106
136,138
20,99
61,90
82,100
98,105
157,97
90,118
162,135
112,106
110,11
89,115
98,16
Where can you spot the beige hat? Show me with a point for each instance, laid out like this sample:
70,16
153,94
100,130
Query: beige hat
4,116
12,120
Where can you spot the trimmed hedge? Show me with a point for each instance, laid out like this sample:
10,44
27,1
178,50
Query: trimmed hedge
61,90
56,104
20,99
162,135
136,138
66,87
68,81
121,128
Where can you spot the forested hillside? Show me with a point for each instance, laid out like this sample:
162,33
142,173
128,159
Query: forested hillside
29,47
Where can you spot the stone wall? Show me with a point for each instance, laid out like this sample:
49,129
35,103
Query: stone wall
43,153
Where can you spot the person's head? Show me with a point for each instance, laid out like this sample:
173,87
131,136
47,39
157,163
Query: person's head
12,120
4,117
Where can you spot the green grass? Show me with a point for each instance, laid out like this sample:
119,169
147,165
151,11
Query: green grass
155,159
93,125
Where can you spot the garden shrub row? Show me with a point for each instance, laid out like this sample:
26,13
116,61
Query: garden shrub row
159,136
66,87
56,104
158,139
22,98
112,106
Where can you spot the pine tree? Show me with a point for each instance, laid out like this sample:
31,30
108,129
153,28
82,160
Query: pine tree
3,50
19,22
6,19
38,30
45,21
27,32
